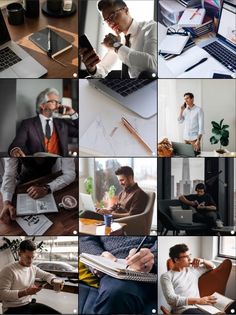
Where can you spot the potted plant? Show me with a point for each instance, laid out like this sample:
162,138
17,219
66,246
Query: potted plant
220,134
88,183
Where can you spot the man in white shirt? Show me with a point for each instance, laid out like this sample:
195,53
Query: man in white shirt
138,51
17,283
32,168
180,284
44,133
192,118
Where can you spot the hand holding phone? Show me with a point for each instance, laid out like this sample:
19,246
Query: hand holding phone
184,106
88,55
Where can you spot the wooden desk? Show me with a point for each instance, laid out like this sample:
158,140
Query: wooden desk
90,227
66,27
64,221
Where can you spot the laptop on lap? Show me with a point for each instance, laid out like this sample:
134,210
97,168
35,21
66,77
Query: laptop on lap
15,62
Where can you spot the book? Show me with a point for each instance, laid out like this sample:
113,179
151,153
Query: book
219,307
47,39
29,206
192,17
190,43
34,224
173,44
116,269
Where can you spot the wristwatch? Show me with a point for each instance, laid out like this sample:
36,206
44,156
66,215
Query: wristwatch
47,188
117,45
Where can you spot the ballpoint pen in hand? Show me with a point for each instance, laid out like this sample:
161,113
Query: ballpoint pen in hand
139,247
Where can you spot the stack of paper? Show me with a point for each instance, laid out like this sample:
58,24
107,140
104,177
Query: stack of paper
173,44
192,17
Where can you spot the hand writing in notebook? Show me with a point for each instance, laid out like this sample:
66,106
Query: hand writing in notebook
107,255
141,261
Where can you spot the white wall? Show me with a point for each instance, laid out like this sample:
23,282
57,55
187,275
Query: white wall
87,170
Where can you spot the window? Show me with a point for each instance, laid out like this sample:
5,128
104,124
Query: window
227,247
185,175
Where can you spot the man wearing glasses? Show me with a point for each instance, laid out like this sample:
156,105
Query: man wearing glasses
44,133
137,51
180,283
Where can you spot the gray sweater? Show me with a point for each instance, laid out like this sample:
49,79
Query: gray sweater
118,246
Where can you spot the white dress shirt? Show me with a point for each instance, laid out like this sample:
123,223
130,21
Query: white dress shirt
193,122
142,54
66,165
43,120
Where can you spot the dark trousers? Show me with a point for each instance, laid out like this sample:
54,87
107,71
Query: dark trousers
124,297
32,308
209,218
191,311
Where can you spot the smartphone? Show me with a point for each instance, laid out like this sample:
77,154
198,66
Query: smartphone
185,104
84,42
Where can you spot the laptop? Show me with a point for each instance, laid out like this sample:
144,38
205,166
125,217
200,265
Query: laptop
223,46
183,149
87,202
182,216
14,61
138,95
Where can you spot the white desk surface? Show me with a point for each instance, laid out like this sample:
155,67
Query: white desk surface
93,103
215,154
191,57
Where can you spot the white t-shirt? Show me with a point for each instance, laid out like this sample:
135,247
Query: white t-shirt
178,286
13,278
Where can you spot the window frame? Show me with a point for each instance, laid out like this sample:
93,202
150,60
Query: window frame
222,255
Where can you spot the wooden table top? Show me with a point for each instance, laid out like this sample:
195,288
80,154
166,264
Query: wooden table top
93,227
66,27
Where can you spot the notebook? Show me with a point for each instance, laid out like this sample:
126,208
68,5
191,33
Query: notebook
173,44
192,17
116,269
48,39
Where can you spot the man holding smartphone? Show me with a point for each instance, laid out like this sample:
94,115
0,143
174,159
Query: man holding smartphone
192,118
137,51
17,283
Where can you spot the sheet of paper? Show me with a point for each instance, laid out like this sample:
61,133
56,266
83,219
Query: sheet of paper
34,224
29,206
108,136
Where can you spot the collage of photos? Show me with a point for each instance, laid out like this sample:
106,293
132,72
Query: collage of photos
118,157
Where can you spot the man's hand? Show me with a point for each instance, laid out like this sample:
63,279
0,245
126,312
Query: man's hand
33,290
89,58
107,255
207,300
110,39
196,145
17,152
36,192
57,284
197,262
104,211
8,212
141,261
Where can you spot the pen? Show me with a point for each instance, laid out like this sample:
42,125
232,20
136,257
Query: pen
139,247
195,13
136,134
49,52
196,64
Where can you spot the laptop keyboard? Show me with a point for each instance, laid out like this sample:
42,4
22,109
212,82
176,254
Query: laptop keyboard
125,87
222,54
7,58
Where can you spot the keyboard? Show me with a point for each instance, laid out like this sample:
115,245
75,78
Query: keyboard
125,87
222,54
8,58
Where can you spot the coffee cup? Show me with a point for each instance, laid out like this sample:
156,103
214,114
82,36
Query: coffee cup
54,5
15,13
68,202
58,285
107,219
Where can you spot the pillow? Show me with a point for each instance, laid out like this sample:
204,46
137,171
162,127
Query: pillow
87,277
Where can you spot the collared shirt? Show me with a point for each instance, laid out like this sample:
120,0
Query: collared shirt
142,54
132,200
66,165
193,120
43,120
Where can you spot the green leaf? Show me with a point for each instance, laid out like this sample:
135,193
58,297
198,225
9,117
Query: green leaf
225,134
224,141
216,131
221,122
213,140
225,126
215,125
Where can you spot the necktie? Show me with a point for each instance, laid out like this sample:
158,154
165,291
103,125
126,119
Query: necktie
125,68
48,130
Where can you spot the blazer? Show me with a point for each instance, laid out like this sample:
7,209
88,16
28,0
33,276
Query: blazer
30,137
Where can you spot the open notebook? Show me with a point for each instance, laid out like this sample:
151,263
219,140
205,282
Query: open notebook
116,269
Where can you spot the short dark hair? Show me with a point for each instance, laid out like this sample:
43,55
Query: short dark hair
176,250
125,170
27,245
103,4
189,94
200,186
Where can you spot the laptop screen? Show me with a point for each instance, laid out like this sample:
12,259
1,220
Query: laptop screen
227,27
4,34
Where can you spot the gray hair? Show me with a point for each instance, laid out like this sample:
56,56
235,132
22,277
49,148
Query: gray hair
43,96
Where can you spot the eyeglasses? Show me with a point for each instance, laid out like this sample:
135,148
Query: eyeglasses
112,16
54,102
185,256
180,31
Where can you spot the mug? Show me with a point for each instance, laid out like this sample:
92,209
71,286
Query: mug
15,13
68,202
